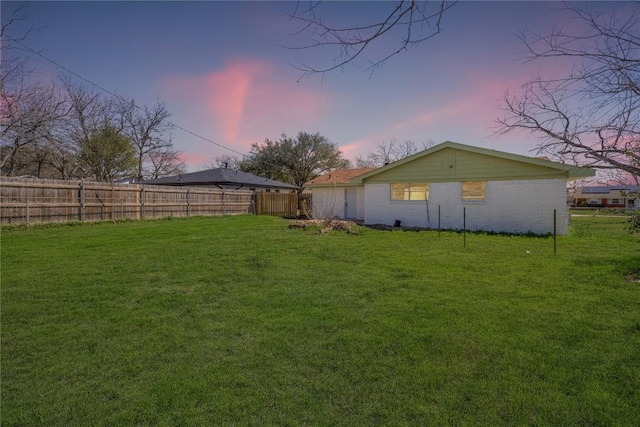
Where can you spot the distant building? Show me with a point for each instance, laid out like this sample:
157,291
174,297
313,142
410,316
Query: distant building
619,196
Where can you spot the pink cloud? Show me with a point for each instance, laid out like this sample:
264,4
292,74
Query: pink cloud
432,115
351,149
195,159
228,91
247,101
480,106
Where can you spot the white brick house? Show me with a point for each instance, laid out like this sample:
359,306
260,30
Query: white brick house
453,185
334,197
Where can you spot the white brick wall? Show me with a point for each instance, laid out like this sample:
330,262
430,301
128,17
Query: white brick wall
328,202
509,206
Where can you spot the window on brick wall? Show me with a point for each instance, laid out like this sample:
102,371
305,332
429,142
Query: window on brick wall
410,191
473,190
614,201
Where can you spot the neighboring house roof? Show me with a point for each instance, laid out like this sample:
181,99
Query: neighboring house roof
609,189
451,161
219,177
127,180
338,177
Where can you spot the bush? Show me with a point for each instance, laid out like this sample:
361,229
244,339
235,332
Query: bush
634,223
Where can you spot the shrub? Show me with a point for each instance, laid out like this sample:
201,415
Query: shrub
634,223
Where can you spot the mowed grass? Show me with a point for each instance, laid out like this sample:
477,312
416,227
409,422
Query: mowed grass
242,321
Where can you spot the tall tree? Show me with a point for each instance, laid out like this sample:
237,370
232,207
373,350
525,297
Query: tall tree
88,113
294,160
590,117
108,154
149,132
28,114
29,110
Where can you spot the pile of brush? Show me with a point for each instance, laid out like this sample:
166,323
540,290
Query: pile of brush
326,225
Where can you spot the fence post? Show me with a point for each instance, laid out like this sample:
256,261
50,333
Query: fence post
224,208
254,202
439,229
464,227
122,209
188,200
554,232
27,209
83,212
143,196
113,202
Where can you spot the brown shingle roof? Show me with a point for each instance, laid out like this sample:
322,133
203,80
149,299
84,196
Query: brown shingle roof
338,176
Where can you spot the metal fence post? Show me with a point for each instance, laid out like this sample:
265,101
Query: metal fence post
27,209
554,232
464,227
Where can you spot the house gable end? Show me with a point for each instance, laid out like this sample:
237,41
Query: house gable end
455,165
449,162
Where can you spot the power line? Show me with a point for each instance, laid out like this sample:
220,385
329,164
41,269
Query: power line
115,95
119,97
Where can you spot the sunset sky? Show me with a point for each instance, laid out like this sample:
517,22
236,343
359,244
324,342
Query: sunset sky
224,70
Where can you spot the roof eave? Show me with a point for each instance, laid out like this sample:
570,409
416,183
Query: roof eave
577,173
331,184
216,183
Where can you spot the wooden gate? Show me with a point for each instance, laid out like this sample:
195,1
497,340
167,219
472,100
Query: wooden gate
277,204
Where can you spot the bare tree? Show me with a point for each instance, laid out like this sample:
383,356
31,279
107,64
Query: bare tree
164,162
63,158
27,115
52,133
410,22
29,110
149,131
88,111
388,152
591,117
224,161
13,66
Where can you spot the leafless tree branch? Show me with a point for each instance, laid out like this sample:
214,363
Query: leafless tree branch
590,117
411,22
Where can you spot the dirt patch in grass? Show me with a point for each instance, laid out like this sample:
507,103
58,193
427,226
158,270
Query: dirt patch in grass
634,276
326,225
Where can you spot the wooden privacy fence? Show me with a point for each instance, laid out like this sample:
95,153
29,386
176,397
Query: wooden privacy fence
38,200
277,204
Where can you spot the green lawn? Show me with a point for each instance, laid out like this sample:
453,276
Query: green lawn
242,321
